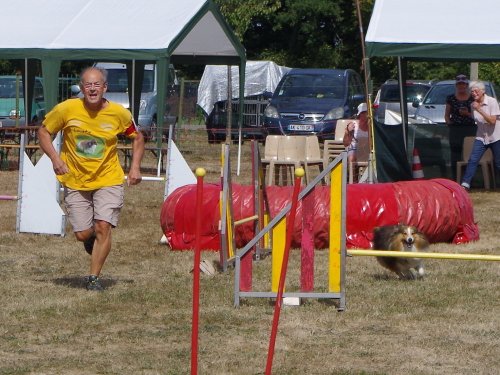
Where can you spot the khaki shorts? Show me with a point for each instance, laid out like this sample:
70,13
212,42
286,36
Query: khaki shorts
83,207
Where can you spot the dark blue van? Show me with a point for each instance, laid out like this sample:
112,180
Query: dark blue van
310,101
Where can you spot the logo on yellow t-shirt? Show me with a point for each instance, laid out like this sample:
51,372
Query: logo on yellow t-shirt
106,126
89,147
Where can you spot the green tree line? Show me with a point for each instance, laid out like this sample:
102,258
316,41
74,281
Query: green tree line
324,34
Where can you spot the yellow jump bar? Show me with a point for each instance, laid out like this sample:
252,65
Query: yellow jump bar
408,254
246,220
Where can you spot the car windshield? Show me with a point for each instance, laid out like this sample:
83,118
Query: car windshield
8,87
390,93
148,83
312,86
118,81
438,94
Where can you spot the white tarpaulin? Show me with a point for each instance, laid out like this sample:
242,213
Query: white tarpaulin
260,76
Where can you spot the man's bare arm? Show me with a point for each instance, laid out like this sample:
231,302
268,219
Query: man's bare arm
134,175
45,141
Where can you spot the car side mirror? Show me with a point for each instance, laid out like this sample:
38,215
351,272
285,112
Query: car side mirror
267,95
358,98
415,103
75,90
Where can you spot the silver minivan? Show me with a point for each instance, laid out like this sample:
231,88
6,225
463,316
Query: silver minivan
388,97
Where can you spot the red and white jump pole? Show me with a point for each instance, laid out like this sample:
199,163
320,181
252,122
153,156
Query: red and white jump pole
9,197
299,173
200,173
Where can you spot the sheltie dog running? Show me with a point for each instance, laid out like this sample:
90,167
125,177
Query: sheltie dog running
400,238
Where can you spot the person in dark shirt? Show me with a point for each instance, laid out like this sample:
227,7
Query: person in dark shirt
458,116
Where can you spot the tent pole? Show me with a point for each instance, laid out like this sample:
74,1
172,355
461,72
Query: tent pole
402,75
162,82
229,105
474,71
372,170
242,72
22,148
132,103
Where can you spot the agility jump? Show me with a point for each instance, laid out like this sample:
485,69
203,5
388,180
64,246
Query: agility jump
337,251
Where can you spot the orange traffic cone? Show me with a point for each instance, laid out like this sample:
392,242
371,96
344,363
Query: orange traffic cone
418,173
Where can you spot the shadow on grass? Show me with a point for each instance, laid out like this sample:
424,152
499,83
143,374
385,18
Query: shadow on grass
383,277
389,277
79,282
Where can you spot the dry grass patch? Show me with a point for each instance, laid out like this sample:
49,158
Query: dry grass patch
447,323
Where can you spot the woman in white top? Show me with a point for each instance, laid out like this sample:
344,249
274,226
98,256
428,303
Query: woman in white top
486,114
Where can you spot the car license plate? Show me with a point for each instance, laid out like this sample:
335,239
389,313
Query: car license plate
306,128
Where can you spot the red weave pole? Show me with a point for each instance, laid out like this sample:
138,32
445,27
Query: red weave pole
200,173
299,172
307,244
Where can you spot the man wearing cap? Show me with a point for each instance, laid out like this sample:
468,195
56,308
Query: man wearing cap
354,132
458,116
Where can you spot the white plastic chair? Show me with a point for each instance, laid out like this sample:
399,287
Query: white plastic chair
331,149
313,156
270,152
362,154
340,128
291,154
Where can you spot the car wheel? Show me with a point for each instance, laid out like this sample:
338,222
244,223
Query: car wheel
214,137
211,137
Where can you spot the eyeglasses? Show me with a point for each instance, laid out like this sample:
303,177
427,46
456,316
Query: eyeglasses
89,85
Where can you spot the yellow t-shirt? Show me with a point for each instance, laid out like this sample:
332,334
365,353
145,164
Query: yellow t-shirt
89,142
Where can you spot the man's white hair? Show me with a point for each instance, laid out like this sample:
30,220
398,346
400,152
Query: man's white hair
477,85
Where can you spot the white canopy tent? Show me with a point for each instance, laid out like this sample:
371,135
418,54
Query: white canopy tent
429,29
159,31
432,30
129,31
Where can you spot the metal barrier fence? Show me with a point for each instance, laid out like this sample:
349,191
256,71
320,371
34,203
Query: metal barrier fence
65,83
253,111
185,103
253,117
182,103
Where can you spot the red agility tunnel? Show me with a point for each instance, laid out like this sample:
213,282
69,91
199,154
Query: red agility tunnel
439,208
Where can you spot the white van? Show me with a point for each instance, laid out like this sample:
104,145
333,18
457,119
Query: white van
118,92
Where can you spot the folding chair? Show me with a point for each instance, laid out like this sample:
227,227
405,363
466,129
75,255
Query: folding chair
331,149
291,155
313,156
362,154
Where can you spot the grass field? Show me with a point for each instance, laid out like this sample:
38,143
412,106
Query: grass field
448,323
